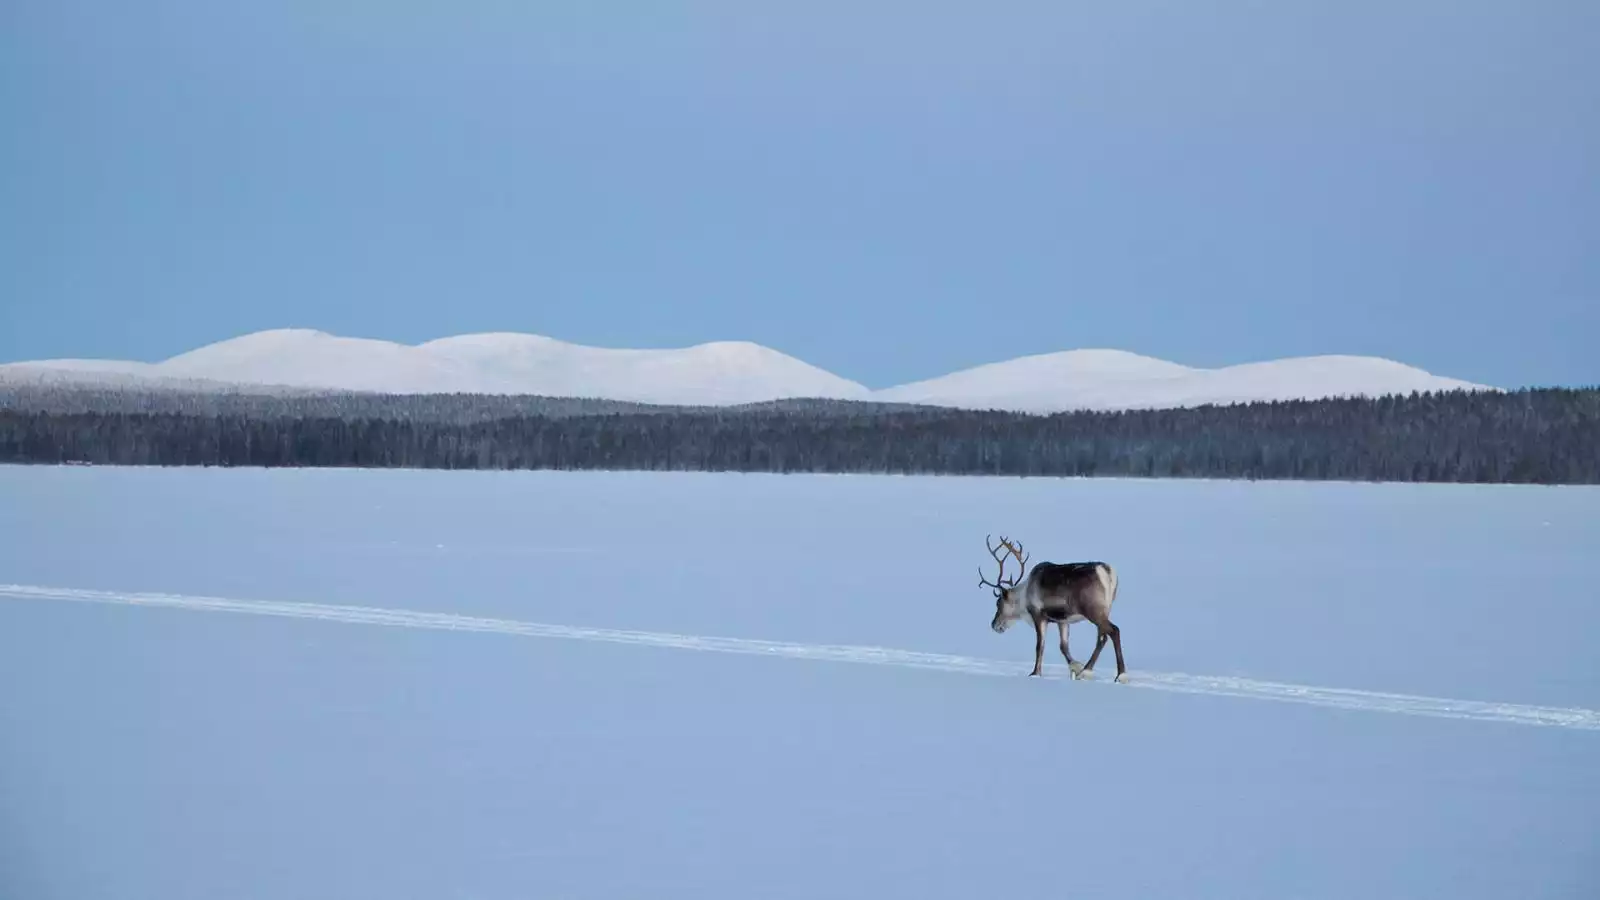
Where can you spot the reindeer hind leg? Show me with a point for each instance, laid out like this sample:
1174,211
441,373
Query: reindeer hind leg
1116,645
1099,644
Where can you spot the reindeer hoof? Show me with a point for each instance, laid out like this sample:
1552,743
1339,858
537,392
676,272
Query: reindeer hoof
1122,678
1076,667
1082,674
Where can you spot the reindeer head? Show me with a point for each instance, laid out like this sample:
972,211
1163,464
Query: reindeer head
1007,598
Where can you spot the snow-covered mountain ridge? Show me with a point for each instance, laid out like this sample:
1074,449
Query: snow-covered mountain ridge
722,373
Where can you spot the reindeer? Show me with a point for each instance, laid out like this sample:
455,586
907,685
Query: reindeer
1062,593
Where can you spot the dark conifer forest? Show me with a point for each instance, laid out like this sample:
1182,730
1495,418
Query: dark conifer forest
1547,436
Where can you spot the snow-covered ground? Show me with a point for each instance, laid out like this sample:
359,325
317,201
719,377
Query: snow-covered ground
624,685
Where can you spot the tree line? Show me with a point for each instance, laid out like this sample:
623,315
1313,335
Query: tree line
1549,436
271,403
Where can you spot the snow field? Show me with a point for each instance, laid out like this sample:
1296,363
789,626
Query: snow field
539,725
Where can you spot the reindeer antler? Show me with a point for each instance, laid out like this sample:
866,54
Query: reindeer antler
1016,551
1013,550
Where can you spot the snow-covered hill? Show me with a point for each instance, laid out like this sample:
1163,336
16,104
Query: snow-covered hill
1113,379
722,373
711,374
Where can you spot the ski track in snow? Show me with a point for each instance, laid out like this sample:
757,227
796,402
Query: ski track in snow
1217,686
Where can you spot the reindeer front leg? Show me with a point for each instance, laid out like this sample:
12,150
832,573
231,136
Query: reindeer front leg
1038,646
1066,650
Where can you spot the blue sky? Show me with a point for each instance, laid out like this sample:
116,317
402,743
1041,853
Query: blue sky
890,190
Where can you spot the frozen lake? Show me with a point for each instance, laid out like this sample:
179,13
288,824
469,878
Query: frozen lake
607,685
